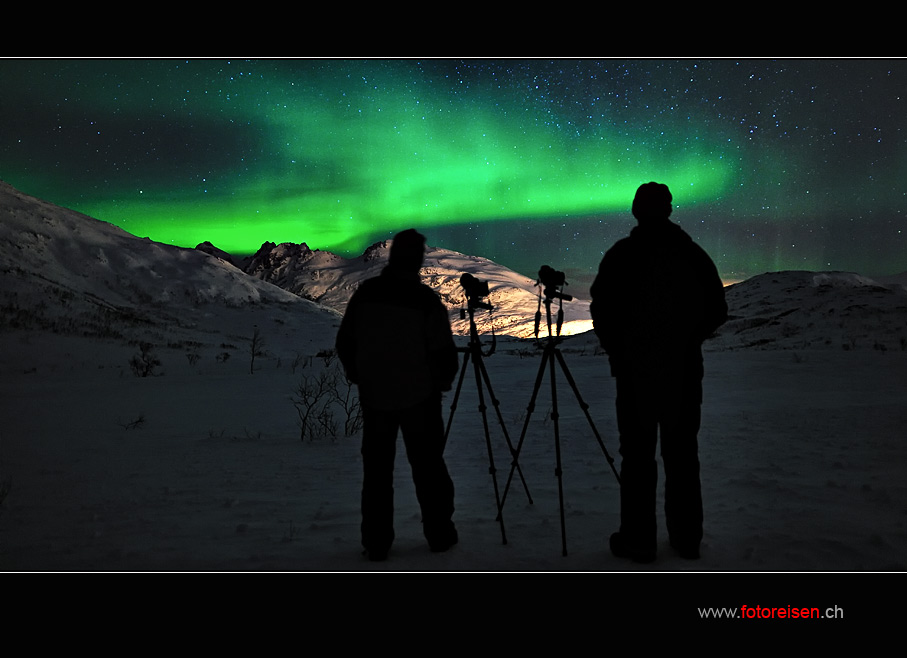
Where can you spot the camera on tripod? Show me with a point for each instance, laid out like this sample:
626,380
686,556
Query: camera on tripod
475,290
551,279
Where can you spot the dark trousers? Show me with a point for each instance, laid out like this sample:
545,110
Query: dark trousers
643,409
422,427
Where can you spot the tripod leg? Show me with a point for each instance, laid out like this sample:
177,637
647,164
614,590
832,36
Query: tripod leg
453,404
529,409
557,450
491,469
497,407
585,407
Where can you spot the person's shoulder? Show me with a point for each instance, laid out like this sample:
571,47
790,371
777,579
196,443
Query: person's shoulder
399,291
369,289
621,249
367,285
694,247
621,243
697,257
373,282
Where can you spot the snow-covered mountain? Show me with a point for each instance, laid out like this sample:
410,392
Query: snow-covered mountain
787,310
330,280
72,274
798,309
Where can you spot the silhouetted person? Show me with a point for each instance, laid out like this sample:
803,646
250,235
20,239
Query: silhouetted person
396,344
656,298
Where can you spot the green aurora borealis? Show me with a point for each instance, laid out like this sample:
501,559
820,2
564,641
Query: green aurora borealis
773,165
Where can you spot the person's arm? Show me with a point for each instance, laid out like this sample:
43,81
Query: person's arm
443,361
346,341
715,305
602,295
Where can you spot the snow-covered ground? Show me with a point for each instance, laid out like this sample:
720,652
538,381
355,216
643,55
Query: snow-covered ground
201,466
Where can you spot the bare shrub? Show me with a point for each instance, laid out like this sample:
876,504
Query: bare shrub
311,398
256,348
134,424
145,362
345,395
317,398
327,356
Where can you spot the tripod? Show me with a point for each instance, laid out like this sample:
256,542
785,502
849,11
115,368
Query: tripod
552,353
474,350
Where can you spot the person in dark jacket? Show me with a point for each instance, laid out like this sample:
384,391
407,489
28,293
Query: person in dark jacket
396,345
656,298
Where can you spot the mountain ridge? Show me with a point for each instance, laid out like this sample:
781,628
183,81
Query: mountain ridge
330,280
64,269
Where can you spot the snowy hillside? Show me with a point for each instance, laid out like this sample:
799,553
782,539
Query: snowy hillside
66,270
73,274
331,280
797,310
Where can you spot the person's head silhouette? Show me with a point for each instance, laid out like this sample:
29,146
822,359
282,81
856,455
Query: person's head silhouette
407,251
652,202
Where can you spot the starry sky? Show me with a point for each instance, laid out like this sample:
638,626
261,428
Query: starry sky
773,164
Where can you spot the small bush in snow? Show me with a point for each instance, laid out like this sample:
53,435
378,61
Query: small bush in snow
145,362
319,395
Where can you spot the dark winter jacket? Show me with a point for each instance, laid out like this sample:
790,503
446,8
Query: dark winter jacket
656,298
395,341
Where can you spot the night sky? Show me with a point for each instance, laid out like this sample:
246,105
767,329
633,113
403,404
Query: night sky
773,164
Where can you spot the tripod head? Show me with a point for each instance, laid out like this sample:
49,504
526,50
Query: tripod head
475,290
552,282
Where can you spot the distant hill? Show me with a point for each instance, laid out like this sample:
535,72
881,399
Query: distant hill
68,273
798,309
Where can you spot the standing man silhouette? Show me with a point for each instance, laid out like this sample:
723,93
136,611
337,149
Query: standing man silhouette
656,298
396,344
